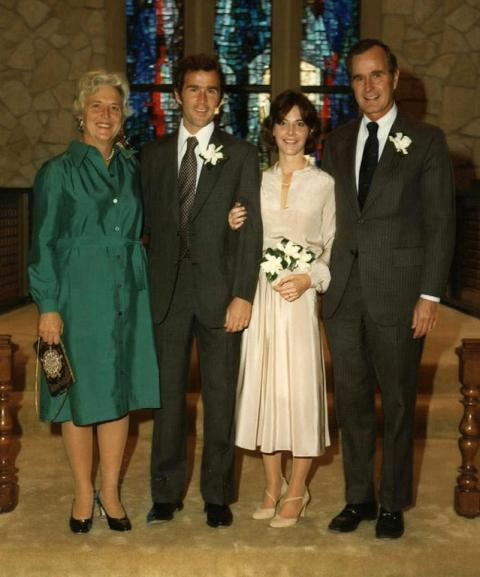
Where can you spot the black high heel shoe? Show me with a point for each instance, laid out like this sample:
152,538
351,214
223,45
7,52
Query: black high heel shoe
115,524
81,525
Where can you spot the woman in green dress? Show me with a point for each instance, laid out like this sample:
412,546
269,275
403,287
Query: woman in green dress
88,277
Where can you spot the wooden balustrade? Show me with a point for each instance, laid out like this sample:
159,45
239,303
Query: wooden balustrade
8,480
467,491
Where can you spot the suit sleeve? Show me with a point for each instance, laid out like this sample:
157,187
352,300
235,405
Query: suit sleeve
438,199
47,215
250,236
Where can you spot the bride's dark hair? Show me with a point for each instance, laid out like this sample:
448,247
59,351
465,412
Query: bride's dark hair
281,106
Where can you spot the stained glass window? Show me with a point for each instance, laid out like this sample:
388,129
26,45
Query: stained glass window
154,44
243,42
330,28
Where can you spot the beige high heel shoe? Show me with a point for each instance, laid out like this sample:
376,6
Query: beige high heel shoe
269,512
278,521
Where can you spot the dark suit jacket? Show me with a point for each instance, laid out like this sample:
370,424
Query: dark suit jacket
404,236
225,262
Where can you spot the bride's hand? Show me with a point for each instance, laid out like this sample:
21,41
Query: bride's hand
237,216
293,286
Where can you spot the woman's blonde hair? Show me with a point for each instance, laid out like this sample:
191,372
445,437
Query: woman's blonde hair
91,81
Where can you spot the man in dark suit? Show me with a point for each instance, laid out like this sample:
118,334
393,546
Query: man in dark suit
202,281
390,262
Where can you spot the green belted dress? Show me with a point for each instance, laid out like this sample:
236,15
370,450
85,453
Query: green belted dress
87,263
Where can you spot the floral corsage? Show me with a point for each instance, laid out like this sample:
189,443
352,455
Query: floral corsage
286,255
213,154
401,142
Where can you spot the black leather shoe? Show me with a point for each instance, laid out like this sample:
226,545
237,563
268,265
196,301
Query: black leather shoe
81,525
114,523
351,516
389,525
218,515
162,512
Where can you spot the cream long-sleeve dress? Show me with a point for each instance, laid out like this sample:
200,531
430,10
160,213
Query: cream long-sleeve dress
281,402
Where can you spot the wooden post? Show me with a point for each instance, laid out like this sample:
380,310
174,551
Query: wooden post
8,481
467,493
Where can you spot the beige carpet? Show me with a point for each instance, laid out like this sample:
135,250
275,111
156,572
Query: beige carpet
35,539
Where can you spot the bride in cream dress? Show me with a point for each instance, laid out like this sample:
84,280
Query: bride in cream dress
281,403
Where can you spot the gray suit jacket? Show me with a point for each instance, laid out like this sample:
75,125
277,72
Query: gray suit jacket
404,236
225,262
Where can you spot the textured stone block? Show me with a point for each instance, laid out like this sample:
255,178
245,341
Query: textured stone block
396,7
463,18
394,30
59,129
442,65
420,51
49,72
458,107
472,129
33,12
464,73
454,41
16,97
423,10
23,56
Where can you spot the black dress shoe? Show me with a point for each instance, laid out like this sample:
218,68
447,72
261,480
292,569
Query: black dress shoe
389,525
161,512
218,515
351,516
114,523
81,525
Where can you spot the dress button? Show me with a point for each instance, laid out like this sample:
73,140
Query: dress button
115,200
117,228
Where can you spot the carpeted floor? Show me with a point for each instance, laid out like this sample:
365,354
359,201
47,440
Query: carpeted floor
35,540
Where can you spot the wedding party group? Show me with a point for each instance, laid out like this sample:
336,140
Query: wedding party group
136,256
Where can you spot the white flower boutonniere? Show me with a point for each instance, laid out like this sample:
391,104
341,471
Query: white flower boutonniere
286,256
213,154
401,142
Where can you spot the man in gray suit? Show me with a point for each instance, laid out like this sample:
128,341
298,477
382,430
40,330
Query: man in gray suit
203,280
390,263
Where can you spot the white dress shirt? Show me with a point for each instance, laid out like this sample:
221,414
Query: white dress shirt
203,136
385,124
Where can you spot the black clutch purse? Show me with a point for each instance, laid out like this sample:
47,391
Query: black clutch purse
56,367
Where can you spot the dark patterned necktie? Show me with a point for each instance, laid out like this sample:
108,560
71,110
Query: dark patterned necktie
369,163
187,180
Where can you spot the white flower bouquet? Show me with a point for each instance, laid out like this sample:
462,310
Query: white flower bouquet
286,255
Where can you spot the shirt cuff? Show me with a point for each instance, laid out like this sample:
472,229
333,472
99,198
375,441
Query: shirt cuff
430,298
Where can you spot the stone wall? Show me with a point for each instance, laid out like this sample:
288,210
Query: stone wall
438,45
45,45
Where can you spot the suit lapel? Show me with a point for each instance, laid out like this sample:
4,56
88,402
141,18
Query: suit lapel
208,176
387,166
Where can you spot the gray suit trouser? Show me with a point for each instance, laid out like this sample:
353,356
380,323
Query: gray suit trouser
365,354
219,357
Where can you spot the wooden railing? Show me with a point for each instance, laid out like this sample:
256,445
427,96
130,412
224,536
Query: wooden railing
467,491
8,480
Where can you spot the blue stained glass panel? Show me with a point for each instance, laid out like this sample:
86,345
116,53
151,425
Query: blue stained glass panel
154,45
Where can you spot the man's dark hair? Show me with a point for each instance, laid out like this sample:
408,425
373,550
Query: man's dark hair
281,106
195,63
363,45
